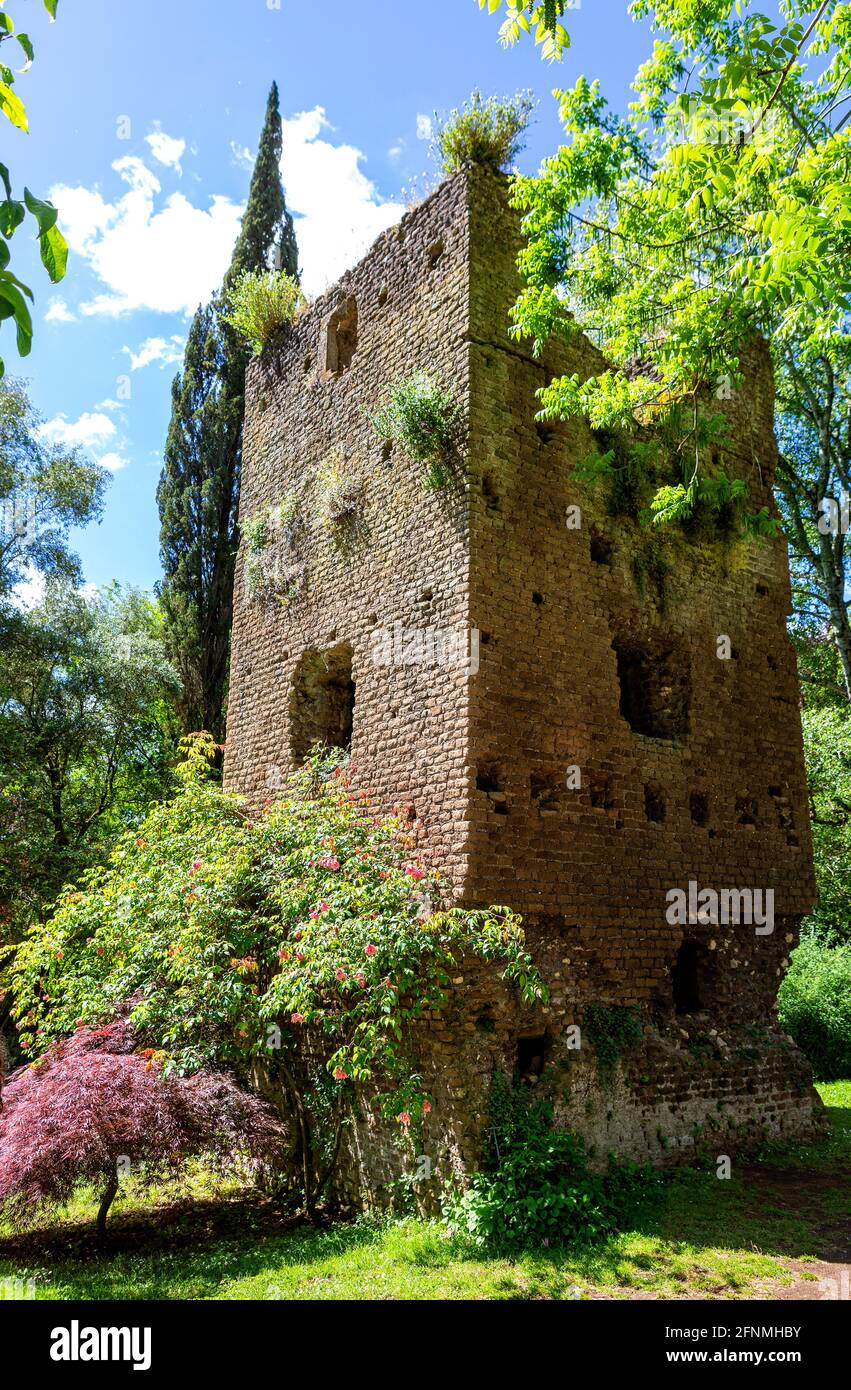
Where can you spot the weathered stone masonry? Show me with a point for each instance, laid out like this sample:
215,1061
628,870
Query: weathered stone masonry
691,766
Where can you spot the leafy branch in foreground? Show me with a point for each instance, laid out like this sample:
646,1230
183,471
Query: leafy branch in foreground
717,211
543,19
52,245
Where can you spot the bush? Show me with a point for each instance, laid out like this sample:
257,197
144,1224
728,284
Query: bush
416,413
485,132
237,938
539,1190
815,1006
93,1103
261,303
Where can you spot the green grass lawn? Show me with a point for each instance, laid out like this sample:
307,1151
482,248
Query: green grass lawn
703,1238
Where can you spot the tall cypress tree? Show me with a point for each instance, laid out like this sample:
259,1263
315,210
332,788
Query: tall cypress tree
198,494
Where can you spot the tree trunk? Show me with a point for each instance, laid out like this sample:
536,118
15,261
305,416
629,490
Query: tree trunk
840,629
106,1202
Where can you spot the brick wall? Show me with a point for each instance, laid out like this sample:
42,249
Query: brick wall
595,649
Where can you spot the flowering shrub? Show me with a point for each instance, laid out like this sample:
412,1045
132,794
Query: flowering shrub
93,1102
235,939
261,303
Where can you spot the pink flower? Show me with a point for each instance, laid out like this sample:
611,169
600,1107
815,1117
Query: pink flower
371,950
426,1107
404,1119
196,863
323,906
340,1075
360,977
413,871
300,957
340,974
297,1018
328,863
313,914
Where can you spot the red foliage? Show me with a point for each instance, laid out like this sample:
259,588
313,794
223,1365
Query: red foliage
92,1104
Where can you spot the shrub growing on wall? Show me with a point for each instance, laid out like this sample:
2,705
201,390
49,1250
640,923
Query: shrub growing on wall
261,303
238,940
419,415
484,131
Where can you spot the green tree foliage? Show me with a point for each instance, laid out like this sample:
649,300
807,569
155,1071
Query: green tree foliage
815,1006
717,210
84,737
199,488
541,18
297,946
197,498
52,245
44,491
827,742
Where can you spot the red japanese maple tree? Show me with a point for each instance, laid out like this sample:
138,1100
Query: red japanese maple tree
94,1103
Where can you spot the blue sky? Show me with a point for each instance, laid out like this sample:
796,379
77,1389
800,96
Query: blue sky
143,122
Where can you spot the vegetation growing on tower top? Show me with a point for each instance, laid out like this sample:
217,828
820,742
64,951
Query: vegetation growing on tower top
484,131
261,303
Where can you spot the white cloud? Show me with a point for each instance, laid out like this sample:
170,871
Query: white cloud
242,156
339,211
425,129
110,404
166,149
165,351
169,258
91,430
58,312
113,462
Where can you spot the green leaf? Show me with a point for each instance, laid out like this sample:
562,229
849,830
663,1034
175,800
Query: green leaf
23,321
54,253
12,214
4,178
44,213
50,6
26,44
12,106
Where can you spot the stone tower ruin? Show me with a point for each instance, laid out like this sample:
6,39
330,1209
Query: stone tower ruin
574,717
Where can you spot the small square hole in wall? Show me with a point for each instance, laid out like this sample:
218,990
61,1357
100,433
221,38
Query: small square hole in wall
531,1056
691,979
698,805
601,549
489,779
600,791
490,493
545,790
746,810
435,251
654,802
